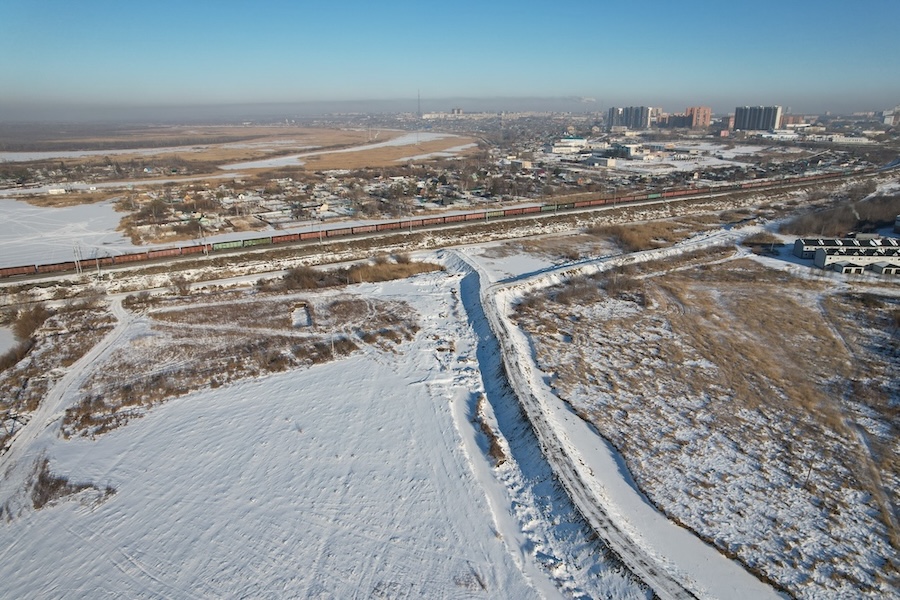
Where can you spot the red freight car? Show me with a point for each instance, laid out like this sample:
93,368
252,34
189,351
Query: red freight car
433,221
339,232
283,239
388,226
11,271
125,258
163,253
364,229
195,249
56,267
454,218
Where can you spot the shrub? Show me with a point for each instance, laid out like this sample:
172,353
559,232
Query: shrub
49,487
848,216
181,285
15,354
29,321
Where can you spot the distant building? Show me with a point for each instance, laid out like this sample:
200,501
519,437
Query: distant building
693,117
675,121
700,116
793,120
891,116
757,118
569,145
632,117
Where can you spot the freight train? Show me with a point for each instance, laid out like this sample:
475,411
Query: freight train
406,224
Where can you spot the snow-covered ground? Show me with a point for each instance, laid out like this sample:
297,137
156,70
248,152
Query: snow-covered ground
7,340
31,234
366,477
360,478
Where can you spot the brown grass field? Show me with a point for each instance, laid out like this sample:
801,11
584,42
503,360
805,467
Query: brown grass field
756,407
223,145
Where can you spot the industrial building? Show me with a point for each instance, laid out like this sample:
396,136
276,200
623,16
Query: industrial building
569,145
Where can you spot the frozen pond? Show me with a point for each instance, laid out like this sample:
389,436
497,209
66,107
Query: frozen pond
7,340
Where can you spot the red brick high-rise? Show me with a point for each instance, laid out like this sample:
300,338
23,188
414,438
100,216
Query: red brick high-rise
700,116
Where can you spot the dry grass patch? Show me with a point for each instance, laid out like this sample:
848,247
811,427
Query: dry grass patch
644,236
311,278
747,409
199,344
48,488
70,199
495,450
62,339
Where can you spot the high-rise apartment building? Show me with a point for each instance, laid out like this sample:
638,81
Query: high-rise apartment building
757,118
632,117
700,116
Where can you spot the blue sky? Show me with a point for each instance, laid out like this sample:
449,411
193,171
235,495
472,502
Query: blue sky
811,56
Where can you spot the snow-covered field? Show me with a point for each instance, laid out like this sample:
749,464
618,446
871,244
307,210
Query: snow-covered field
31,234
360,478
369,476
7,340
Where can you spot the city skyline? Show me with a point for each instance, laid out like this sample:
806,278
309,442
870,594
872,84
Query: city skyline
109,58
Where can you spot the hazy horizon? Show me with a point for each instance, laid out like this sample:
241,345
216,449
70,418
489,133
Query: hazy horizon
279,111
103,61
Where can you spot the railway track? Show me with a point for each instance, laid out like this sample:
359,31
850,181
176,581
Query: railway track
414,224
